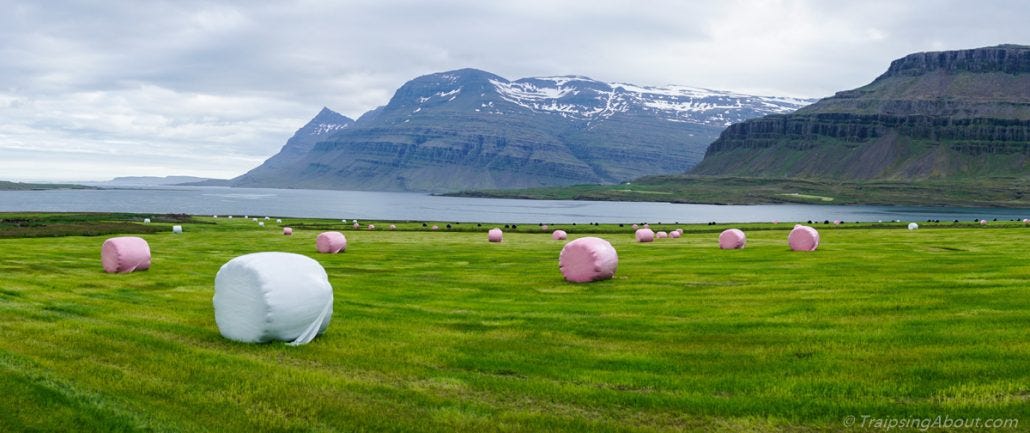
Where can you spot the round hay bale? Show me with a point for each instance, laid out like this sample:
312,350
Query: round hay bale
287,231
230,216
278,221
371,226
356,226
661,235
246,216
435,227
263,297
559,235
732,239
647,226
645,235
177,229
146,220
544,227
836,222
983,222
254,219
588,259
1026,220
267,218
214,216
635,226
125,254
675,234
261,223
494,235
393,227
803,238
913,226
331,242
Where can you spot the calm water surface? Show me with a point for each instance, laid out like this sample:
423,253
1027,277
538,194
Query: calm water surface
417,207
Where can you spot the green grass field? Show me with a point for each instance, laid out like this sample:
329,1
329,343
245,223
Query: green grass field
443,331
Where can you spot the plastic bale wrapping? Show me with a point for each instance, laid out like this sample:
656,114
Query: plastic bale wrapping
803,238
913,226
278,221
125,254
635,226
732,239
177,230
331,242
356,226
544,227
588,259
645,235
661,235
436,227
272,296
371,226
146,220
287,231
983,222
559,235
261,223
494,235
393,227
675,234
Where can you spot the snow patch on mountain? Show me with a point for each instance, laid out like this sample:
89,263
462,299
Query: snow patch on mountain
326,128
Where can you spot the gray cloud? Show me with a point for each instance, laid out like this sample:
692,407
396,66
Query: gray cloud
94,89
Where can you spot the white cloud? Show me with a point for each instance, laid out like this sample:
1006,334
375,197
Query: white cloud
198,87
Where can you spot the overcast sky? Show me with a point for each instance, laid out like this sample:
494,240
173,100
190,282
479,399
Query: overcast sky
97,89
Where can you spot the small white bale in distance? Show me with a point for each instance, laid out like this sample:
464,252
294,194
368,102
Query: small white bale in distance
261,223
983,222
267,218
214,216
544,227
125,254
146,220
588,259
645,235
732,239
278,221
230,216
177,230
287,231
393,227
371,226
435,227
356,226
559,235
635,226
494,235
272,296
331,242
254,219
803,238
913,226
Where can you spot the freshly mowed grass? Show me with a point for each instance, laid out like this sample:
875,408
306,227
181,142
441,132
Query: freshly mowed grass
444,331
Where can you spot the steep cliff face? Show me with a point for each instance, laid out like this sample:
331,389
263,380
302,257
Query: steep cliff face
931,115
470,129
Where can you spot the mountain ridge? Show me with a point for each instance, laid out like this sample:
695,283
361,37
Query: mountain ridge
470,128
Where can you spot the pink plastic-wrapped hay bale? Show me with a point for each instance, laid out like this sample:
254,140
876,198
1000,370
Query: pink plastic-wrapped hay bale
675,234
371,226
803,238
559,235
494,235
732,239
661,235
635,226
435,227
645,235
544,228
357,226
287,231
125,254
331,242
588,259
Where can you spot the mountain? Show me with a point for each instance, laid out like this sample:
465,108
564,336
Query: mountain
469,129
947,115
150,181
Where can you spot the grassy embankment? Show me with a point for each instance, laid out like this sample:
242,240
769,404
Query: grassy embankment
1014,192
21,186
438,331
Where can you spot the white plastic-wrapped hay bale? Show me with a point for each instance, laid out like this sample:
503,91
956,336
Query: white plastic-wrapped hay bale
803,238
214,216
230,216
371,226
177,229
494,235
356,226
983,222
544,228
261,223
645,235
146,220
913,226
1026,220
559,235
675,234
635,226
331,242
732,239
588,259
267,218
287,231
254,219
125,254
393,227
661,235
278,221
435,227
264,297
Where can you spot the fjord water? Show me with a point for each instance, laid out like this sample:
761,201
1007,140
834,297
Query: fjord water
423,207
